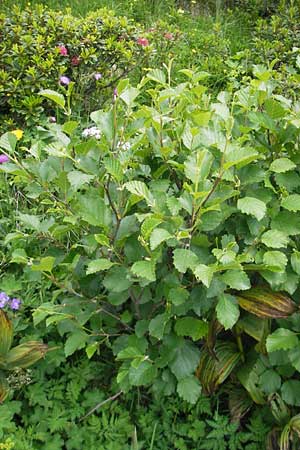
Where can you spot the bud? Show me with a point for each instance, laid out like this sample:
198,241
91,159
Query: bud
24,355
6,333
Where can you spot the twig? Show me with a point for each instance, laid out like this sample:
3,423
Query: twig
110,399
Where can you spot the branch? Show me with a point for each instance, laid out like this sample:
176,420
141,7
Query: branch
110,399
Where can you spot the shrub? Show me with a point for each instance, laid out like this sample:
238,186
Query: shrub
38,46
169,235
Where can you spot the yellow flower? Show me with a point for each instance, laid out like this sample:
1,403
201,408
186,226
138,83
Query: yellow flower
18,134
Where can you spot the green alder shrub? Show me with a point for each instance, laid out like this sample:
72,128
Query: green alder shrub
169,233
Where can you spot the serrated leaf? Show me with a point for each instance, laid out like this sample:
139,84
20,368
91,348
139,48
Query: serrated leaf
77,179
291,203
252,206
8,142
270,381
239,157
274,109
275,260
113,167
105,122
227,310
290,392
158,236
287,222
275,239
204,274
281,165
157,325
54,96
185,360
143,374
99,264
295,262
281,339
191,327
189,389
92,208
157,75
117,279
44,264
144,269
129,95
294,357
184,259
178,295
236,279
75,341
140,189
197,166
148,226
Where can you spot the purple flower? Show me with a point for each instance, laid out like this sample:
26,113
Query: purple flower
115,92
15,303
52,119
64,80
3,159
4,298
97,76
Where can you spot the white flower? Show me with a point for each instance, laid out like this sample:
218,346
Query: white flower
92,132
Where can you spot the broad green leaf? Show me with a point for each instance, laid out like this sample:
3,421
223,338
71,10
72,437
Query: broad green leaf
102,239
204,274
105,122
19,256
290,392
184,259
178,295
30,221
44,264
274,109
294,357
157,75
270,381
282,165
8,142
99,264
191,327
148,226
252,206
227,310
77,179
127,227
75,341
291,203
236,279
275,239
144,269
91,349
157,325
113,167
276,260
91,207
185,360
54,96
117,279
130,353
281,339
239,157
197,166
140,189
143,374
129,95
158,236
295,262
189,389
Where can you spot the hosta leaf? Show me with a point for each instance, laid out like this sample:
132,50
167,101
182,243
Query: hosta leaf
236,279
77,179
281,339
275,260
227,310
99,264
191,327
144,269
140,189
291,203
275,239
282,165
53,96
189,389
252,206
184,259
158,236
204,274
185,360
114,168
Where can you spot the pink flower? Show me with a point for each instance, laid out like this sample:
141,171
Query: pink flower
52,119
63,50
75,61
97,76
143,42
169,36
64,80
3,159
